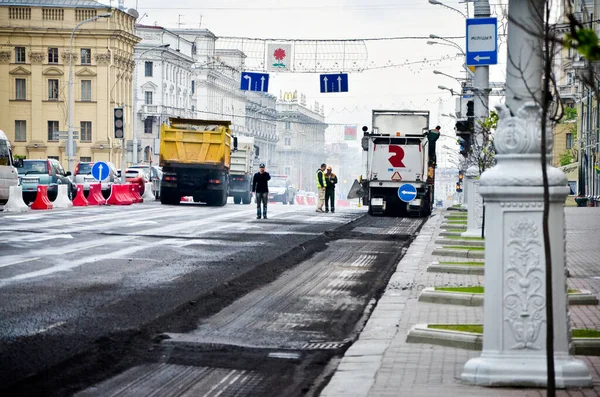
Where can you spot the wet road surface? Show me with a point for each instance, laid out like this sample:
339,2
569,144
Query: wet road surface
185,300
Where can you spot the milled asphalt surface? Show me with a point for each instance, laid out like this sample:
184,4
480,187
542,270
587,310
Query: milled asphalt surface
92,287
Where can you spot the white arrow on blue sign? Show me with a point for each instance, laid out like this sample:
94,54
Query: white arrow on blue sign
100,170
255,82
407,192
334,82
482,41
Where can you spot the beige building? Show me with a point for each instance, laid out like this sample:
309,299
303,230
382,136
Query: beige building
34,74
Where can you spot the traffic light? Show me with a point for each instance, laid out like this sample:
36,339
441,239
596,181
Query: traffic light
119,123
460,176
458,187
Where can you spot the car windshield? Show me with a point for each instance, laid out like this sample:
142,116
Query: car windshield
85,168
277,182
34,167
133,174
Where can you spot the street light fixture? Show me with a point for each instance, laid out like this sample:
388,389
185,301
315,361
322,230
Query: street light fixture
438,3
441,87
70,145
447,75
450,42
134,152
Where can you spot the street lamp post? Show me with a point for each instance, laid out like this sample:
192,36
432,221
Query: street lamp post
443,87
438,3
134,152
446,44
70,94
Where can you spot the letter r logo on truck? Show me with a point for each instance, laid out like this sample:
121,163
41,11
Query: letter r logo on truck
396,159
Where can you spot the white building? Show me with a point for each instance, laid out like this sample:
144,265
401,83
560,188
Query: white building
261,123
163,86
216,76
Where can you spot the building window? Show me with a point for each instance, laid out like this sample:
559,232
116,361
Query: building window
52,55
53,90
19,13
570,78
148,66
19,54
193,86
82,15
288,141
288,125
20,89
569,140
53,14
20,130
84,159
86,90
287,170
86,56
148,96
148,125
52,128
85,133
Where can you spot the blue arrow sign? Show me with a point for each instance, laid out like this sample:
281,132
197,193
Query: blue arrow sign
482,41
255,82
407,192
100,170
334,82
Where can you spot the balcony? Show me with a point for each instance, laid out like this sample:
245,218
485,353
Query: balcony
567,91
167,111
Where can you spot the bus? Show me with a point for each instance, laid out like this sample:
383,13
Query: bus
8,173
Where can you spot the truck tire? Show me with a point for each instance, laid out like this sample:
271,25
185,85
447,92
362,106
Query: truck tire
220,198
169,199
237,199
247,199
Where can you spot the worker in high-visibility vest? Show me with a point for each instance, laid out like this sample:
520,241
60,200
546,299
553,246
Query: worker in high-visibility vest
321,186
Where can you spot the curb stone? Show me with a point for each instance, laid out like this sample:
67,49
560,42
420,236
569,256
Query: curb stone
480,254
435,267
468,243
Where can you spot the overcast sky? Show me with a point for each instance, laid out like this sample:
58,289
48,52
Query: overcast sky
412,86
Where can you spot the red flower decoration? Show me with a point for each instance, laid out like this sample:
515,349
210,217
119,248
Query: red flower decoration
279,54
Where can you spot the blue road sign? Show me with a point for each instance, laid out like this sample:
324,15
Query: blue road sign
255,82
407,192
334,82
100,170
482,41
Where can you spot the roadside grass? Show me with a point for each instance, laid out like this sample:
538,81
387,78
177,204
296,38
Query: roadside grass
463,263
478,289
463,238
455,231
478,329
464,247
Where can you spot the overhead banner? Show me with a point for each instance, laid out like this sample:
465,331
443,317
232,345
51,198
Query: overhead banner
279,57
350,133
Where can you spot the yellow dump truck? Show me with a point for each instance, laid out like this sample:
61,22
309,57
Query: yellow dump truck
196,158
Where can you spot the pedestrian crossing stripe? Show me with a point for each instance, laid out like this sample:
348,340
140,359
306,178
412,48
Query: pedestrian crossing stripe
396,176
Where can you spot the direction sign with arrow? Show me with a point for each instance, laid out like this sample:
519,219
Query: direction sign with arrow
334,82
100,170
255,82
482,41
407,192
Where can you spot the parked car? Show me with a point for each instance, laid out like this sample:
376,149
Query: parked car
155,176
138,176
281,190
83,175
43,172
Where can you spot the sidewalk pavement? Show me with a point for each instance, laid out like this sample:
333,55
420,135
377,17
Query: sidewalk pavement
381,364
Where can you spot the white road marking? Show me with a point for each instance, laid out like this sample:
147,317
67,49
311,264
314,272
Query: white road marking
48,328
19,261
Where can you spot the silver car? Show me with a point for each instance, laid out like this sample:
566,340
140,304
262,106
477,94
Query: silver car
83,176
155,176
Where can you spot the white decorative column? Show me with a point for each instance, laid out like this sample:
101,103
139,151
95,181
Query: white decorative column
475,210
514,321
466,187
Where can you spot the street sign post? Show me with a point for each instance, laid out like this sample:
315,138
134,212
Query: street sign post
334,82
482,41
255,82
407,192
100,170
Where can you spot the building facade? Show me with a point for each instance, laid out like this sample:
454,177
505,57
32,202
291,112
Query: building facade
163,86
300,147
261,124
34,69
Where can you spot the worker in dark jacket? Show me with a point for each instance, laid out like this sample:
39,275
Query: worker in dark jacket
260,187
331,180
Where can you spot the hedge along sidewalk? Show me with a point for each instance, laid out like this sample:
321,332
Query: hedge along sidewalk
585,341
473,296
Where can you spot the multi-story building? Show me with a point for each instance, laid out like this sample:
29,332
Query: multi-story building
34,73
163,86
261,123
301,140
216,76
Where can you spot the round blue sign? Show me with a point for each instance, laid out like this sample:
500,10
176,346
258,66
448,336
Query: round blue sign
407,192
100,170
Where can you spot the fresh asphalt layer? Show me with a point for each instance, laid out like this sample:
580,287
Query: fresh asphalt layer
90,293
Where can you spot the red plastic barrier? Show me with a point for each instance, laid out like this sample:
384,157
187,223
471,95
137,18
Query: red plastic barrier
311,200
135,193
42,202
95,196
343,203
186,199
301,200
119,195
80,200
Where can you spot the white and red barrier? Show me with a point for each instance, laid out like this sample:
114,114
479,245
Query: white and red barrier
120,195
80,200
15,201
42,202
95,196
62,197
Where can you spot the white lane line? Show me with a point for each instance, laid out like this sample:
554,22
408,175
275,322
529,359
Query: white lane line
48,328
19,261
